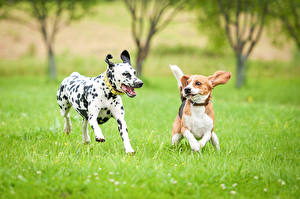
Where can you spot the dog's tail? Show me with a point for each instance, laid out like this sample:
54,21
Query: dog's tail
74,74
177,73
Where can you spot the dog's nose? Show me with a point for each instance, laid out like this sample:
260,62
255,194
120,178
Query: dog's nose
187,90
138,84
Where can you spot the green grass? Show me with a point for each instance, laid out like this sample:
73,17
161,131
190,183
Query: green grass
258,127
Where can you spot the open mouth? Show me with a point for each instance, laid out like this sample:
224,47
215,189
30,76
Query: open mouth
128,90
190,95
199,98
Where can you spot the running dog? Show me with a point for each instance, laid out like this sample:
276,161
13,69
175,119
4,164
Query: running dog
97,99
196,118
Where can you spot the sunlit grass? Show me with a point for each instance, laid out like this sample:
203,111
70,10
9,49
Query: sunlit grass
258,129
258,125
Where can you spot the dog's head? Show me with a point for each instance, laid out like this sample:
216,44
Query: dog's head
122,76
198,87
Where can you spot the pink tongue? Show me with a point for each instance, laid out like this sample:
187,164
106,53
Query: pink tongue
132,92
128,90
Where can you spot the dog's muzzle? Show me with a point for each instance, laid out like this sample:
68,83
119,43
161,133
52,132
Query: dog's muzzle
187,91
138,84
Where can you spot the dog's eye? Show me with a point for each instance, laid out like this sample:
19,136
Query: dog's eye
198,83
134,73
127,75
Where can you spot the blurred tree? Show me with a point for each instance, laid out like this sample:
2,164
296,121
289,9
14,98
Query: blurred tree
4,8
51,16
148,17
208,23
288,12
242,21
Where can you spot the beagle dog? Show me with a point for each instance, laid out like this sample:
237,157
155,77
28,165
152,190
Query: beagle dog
195,119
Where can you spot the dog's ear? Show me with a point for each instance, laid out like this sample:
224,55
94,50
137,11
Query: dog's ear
110,64
184,80
219,77
125,57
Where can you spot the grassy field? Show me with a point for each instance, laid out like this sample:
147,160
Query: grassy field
258,128
258,125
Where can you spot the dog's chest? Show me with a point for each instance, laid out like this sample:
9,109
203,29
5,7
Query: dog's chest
198,122
104,115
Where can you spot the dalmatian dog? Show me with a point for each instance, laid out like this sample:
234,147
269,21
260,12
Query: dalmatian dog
97,99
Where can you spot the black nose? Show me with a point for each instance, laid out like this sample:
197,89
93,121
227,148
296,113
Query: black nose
187,90
138,84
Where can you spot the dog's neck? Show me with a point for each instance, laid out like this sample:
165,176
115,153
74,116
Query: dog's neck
110,85
205,103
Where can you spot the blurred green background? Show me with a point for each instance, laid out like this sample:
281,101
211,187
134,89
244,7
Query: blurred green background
258,124
106,28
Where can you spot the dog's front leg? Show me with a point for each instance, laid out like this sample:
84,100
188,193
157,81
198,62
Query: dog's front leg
124,135
118,113
85,132
206,137
215,140
92,118
192,140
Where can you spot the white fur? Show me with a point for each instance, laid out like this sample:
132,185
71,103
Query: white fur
98,98
176,138
177,73
193,142
215,140
68,125
199,98
120,79
118,116
199,124
85,133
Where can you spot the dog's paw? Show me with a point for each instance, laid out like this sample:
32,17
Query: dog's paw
68,129
176,139
130,152
196,149
195,146
201,144
100,139
87,141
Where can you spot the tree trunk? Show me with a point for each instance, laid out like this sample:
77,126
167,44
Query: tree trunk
240,70
139,67
51,63
141,56
139,62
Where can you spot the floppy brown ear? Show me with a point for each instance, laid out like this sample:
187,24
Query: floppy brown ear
220,77
184,81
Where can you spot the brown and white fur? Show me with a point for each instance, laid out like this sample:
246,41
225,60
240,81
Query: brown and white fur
195,119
